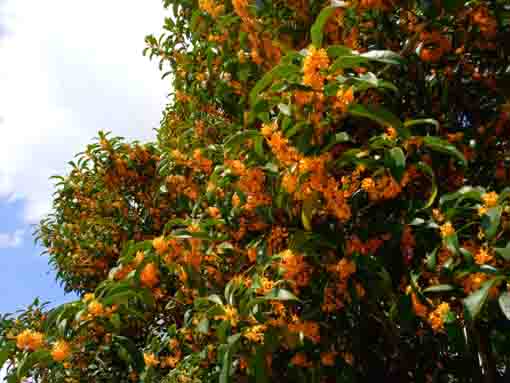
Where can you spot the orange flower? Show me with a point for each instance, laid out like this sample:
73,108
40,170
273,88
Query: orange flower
328,358
300,360
149,275
483,256
436,318
314,62
60,351
160,245
95,308
29,340
490,199
343,99
150,360
368,184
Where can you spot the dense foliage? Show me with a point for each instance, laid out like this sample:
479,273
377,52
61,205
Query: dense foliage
325,202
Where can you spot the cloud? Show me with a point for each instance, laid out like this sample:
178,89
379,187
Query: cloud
68,69
10,240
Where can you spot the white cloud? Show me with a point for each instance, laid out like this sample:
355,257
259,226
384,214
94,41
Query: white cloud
10,240
68,69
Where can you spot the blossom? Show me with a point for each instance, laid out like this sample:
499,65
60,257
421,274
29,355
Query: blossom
447,229
490,199
95,308
29,340
149,276
328,358
160,245
483,256
60,351
150,360
255,333
436,318
316,60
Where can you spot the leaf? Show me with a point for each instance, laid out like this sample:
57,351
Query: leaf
421,121
439,288
490,221
504,251
279,71
203,326
439,145
318,26
238,138
398,162
425,168
215,298
465,192
225,366
376,113
383,56
338,50
504,303
475,301
280,295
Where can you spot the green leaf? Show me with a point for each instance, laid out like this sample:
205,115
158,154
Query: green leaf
439,145
421,121
238,138
225,366
279,71
318,26
383,56
376,113
215,298
280,295
475,301
490,221
504,251
425,168
439,288
465,192
398,162
338,50
203,326
504,303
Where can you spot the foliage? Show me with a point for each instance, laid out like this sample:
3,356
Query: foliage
325,202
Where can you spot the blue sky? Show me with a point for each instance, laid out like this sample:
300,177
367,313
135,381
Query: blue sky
67,69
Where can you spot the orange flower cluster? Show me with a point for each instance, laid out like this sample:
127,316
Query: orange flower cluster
61,351
336,296
211,7
315,61
486,23
29,340
296,268
436,318
309,329
149,277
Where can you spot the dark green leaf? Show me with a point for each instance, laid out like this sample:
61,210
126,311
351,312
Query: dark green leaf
439,145
491,220
504,303
475,301
318,26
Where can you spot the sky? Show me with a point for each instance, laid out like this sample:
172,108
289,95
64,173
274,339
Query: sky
67,70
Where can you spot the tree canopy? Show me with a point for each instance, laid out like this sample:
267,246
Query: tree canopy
326,201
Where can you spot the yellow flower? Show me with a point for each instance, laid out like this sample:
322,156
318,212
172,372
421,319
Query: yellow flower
230,315
255,333
447,229
60,351
150,360
88,297
95,308
368,184
490,199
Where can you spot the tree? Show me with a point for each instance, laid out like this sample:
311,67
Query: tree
325,202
